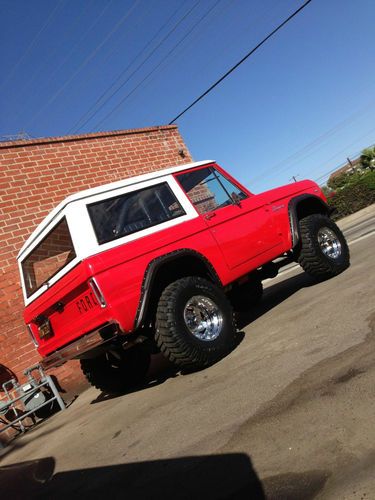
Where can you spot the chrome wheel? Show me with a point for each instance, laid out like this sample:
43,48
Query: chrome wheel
329,243
203,318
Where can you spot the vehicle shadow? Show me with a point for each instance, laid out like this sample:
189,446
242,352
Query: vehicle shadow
162,369
273,296
226,476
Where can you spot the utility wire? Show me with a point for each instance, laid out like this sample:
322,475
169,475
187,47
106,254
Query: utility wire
180,54
330,172
313,146
51,55
87,60
254,20
241,61
33,42
342,151
78,125
172,30
78,42
157,66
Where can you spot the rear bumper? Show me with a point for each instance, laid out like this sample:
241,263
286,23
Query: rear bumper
78,347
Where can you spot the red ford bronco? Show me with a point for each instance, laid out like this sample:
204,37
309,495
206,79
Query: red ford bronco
159,262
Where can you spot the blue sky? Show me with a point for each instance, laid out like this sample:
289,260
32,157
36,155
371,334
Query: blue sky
302,104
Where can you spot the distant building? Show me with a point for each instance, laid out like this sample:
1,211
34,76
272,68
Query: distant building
349,168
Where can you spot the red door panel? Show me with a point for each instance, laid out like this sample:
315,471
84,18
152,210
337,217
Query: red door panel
241,223
243,231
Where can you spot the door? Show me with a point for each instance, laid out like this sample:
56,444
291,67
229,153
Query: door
241,223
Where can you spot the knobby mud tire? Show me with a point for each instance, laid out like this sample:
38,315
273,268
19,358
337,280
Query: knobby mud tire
116,376
311,257
173,337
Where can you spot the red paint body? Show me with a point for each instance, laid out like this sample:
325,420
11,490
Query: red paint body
236,240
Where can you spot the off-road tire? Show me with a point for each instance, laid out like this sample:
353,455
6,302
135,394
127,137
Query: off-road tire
174,338
247,295
115,376
311,257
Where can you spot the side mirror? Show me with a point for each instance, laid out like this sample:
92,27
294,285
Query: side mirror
236,199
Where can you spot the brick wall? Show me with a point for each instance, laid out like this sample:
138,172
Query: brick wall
38,174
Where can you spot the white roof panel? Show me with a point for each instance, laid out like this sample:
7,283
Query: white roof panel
102,189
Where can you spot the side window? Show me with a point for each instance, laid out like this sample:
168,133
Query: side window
131,212
209,190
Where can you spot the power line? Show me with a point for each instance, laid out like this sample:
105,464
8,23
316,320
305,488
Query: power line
342,151
313,146
51,56
139,66
195,41
241,61
78,42
329,172
77,125
223,34
88,59
157,66
254,20
32,43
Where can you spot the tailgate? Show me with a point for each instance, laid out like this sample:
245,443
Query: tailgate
69,317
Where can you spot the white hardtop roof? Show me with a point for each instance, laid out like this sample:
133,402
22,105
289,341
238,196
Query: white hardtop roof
103,189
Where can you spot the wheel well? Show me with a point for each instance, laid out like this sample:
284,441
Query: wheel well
303,206
168,272
309,206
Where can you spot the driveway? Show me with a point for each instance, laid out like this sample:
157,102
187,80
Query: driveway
289,414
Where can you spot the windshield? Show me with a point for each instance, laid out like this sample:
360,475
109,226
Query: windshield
209,190
53,253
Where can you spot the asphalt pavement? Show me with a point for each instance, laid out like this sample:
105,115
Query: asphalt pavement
288,414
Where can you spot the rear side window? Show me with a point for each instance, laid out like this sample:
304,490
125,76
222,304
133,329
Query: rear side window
53,253
209,190
131,212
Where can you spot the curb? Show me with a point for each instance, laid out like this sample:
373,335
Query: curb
348,220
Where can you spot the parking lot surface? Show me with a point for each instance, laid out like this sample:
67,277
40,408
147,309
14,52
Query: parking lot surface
288,414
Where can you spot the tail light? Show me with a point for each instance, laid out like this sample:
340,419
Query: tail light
97,292
30,331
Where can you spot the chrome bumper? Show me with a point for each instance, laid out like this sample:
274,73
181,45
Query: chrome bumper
75,349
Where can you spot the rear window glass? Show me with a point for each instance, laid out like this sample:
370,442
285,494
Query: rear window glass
54,252
131,212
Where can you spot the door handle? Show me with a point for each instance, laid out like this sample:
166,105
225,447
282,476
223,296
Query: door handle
209,216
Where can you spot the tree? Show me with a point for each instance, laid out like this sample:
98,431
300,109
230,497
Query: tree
357,193
327,191
338,181
367,158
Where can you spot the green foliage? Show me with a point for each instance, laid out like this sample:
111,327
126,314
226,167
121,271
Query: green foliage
368,180
338,181
367,158
327,191
357,193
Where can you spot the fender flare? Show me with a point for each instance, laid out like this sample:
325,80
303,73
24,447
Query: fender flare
292,212
151,271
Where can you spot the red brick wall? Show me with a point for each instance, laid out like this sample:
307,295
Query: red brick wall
38,174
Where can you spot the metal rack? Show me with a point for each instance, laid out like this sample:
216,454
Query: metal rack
34,394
